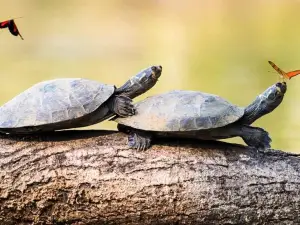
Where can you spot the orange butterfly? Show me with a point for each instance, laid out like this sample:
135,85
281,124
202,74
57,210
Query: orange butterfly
283,74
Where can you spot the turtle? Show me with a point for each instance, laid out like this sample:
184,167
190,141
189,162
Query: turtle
199,115
72,102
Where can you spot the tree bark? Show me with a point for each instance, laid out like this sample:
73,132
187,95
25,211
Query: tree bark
91,177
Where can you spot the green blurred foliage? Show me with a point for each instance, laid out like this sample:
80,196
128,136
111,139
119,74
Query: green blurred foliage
215,46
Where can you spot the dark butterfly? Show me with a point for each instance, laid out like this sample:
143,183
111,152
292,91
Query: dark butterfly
10,24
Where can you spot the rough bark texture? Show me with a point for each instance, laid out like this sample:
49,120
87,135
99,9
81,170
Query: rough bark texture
91,177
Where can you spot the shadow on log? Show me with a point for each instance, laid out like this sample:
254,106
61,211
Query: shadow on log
91,177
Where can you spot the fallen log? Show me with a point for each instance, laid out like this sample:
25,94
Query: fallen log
91,177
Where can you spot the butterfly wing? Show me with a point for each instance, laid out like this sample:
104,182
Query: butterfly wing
293,73
13,29
287,75
281,72
4,24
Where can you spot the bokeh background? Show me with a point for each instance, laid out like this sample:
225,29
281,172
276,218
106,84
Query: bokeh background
215,46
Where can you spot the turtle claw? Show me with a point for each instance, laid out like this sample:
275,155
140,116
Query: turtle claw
139,141
267,142
131,140
141,147
145,144
148,143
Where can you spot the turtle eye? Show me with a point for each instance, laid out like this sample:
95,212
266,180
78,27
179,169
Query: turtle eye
153,68
272,94
144,78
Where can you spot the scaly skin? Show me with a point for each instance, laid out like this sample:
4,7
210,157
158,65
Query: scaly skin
121,102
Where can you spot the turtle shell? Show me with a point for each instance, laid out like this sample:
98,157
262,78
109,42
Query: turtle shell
54,101
182,111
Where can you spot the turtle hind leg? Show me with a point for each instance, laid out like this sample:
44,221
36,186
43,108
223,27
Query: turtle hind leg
256,137
121,105
252,136
139,140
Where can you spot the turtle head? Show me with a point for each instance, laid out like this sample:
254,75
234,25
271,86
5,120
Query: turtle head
274,94
265,103
141,82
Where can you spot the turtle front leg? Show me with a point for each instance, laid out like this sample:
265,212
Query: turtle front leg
121,105
139,140
256,137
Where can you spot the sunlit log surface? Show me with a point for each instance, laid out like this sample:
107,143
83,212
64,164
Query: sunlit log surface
91,177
